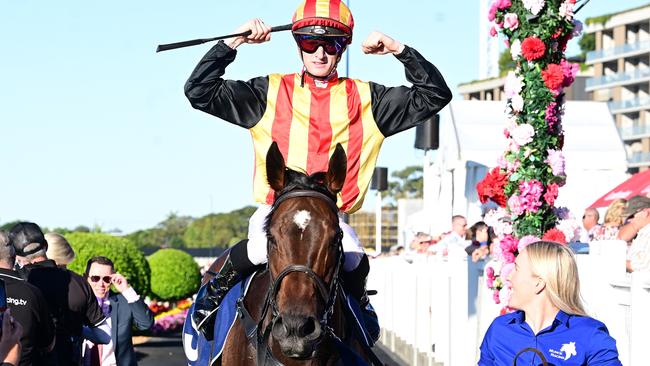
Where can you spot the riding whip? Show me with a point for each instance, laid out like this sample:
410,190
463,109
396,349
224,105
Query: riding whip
194,42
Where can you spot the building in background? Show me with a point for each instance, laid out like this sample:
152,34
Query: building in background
363,224
621,63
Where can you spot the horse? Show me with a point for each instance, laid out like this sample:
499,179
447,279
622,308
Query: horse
297,302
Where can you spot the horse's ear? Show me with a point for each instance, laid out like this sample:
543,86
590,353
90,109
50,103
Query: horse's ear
337,169
275,167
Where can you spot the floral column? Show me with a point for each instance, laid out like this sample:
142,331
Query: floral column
531,170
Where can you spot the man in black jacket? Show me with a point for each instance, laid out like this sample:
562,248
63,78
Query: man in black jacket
28,307
70,300
123,309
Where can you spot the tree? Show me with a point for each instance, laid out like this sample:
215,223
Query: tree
218,230
506,63
587,43
408,183
167,234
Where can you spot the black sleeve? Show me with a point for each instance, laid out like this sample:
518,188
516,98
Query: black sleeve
239,102
93,313
399,108
45,329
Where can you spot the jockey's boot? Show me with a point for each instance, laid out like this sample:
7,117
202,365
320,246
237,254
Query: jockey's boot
354,283
212,293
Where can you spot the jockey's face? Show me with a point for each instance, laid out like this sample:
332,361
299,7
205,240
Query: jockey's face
319,64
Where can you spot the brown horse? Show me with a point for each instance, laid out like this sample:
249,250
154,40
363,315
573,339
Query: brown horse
297,304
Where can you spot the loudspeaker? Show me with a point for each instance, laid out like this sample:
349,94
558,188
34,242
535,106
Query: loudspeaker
427,134
379,179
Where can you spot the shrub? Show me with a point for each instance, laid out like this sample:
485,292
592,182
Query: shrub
174,274
128,259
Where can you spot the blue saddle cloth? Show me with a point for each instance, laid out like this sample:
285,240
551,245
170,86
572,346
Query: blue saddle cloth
199,351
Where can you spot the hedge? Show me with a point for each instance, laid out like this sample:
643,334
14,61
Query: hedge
127,258
174,275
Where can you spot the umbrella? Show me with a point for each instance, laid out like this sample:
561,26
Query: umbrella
638,184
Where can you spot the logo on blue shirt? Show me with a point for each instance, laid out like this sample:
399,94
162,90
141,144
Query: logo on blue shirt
566,351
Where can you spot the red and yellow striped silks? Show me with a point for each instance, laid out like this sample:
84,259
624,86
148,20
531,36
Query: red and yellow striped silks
307,123
333,13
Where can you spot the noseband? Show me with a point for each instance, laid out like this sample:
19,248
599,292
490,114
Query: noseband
327,294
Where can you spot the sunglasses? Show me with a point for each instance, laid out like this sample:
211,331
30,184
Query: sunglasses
106,279
331,45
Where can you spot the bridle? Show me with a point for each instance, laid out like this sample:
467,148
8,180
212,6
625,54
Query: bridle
327,294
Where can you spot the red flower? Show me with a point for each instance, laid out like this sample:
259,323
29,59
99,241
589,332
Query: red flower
532,48
555,235
491,187
553,77
551,193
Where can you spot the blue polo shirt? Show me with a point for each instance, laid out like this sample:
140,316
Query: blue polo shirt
571,340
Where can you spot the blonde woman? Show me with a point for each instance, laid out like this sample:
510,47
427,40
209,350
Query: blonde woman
613,221
59,250
549,315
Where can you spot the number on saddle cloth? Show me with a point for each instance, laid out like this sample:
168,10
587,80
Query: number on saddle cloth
198,350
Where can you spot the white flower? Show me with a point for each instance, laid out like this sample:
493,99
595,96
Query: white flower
566,10
515,49
523,134
517,103
534,6
513,84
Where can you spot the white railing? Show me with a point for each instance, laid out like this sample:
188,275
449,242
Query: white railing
435,311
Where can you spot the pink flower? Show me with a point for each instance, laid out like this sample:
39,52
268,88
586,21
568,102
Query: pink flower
551,115
530,192
523,134
569,70
509,244
526,240
511,21
551,193
489,272
492,13
493,31
515,206
504,4
506,270
495,296
556,160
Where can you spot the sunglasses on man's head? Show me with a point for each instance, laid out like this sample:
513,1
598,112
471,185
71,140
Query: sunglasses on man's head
331,45
106,279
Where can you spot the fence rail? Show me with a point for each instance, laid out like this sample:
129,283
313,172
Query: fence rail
435,311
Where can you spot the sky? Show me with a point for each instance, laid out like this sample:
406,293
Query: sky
95,129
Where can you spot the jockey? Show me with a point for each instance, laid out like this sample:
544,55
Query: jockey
307,114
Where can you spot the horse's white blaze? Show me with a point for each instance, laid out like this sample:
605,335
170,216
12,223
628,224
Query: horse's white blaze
302,218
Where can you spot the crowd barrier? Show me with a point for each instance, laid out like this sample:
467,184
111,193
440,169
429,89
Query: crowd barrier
435,310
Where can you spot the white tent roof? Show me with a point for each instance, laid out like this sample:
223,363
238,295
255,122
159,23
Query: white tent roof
471,140
591,138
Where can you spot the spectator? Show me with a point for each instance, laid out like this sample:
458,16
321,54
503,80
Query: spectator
550,316
454,240
589,225
69,298
59,250
613,221
28,307
123,309
10,346
481,236
638,227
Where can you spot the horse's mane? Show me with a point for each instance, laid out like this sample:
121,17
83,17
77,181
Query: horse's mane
300,181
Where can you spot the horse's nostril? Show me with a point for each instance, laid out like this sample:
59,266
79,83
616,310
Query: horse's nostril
307,328
279,330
